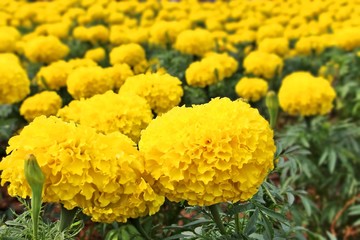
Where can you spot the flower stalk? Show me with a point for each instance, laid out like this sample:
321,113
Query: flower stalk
36,178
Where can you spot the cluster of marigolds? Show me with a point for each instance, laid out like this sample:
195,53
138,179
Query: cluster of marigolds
104,152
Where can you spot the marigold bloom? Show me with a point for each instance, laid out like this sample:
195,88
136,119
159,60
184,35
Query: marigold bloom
165,32
279,46
310,45
119,73
263,64
45,103
196,42
131,54
302,94
94,34
14,82
53,76
8,38
126,112
211,69
85,82
96,54
252,89
102,174
45,49
203,157
161,91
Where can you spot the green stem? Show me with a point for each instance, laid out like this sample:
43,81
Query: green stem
138,226
217,219
237,224
35,210
66,217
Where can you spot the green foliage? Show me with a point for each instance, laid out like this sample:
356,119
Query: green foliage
21,228
323,161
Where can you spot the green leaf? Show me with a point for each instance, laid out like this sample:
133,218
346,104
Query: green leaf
251,224
332,160
272,213
269,230
240,208
307,205
331,237
354,210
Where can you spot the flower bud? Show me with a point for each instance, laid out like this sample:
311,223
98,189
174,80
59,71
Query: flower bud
33,174
272,104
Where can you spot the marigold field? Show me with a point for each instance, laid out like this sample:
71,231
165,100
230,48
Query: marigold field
202,120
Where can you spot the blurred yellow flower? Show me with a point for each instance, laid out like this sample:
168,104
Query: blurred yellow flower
263,64
96,54
161,91
303,94
131,54
195,42
252,89
44,103
45,49
85,82
14,82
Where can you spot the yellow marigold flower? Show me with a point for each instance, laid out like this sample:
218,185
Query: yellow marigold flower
263,64
14,82
203,157
211,69
201,74
270,31
252,89
242,36
164,32
45,103
302,94
310,45
126,112
60,29
161,91
141,67
96,54
279,46
45,49
8,38
10,58
81,62
94,34
102,174
131,54
196,42
119,73
85,82
227,65
53,76
348,38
